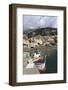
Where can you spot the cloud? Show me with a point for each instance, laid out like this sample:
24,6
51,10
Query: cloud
30,21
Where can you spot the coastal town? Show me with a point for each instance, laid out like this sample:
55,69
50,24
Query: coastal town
32,39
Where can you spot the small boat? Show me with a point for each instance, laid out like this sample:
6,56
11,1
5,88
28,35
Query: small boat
37,61
40,63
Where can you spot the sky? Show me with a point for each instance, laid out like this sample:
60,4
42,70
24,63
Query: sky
35,21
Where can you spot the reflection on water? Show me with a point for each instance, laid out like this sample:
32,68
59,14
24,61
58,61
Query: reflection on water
50,62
